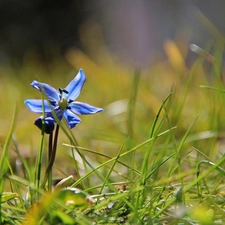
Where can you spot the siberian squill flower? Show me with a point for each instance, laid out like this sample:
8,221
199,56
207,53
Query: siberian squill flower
61,101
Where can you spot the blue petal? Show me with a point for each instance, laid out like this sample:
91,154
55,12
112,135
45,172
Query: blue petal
71,119
57,112
75,86
51,93
49,124
84,108
35,105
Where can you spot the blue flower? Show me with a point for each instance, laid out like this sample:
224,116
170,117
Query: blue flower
62,102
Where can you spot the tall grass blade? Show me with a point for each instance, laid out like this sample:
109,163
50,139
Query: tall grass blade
4,158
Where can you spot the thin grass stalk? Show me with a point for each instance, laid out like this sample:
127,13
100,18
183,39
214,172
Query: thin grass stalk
104,155
218,63
74,142
84,160
207,24
152,131
132,102
26,170
102,177
110,171
130,118
186,88
191,185
219,169
121,155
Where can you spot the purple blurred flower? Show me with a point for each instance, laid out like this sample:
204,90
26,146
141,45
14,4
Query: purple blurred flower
62,102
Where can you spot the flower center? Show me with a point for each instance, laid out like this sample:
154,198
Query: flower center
63,103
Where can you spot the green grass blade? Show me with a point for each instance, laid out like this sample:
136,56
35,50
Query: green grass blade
121,155
4,157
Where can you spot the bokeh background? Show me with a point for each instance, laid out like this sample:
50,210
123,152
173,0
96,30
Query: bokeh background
133,30
50,40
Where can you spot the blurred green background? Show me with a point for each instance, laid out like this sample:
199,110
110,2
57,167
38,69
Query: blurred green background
49,42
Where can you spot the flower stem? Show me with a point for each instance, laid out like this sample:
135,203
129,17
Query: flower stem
49,159
52,158
39,164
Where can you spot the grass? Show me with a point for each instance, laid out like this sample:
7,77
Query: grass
155,156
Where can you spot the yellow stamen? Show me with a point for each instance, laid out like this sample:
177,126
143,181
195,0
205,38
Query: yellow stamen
63,104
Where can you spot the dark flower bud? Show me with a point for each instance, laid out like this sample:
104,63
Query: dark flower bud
48,125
